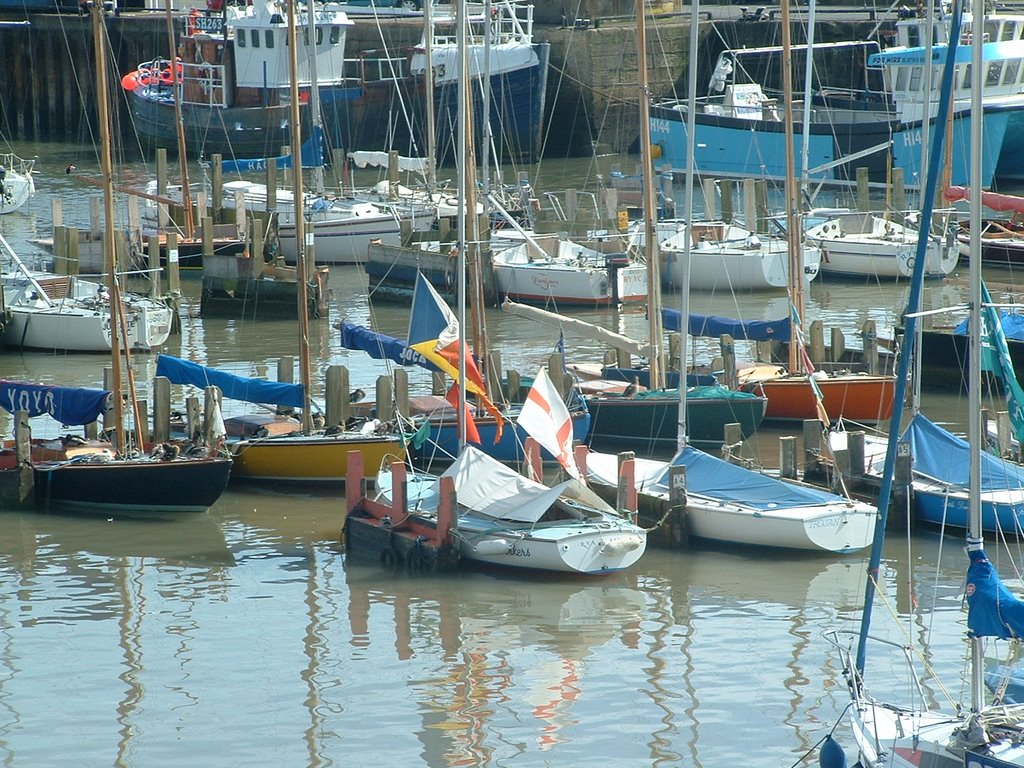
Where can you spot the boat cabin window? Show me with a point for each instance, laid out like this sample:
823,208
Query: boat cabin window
991,30
255,38
966,82
916,74
268,38
335,35
1008,31
995,71
240,38
902,77
1011,71
319,36
913,36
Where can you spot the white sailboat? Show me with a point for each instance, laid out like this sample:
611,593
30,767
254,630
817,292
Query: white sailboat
16,182
909,733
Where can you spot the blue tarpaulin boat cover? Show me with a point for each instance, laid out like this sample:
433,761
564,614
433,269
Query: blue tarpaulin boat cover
707,475
1011,323
233,387
713,326
992,611
946,457
68,405
381,347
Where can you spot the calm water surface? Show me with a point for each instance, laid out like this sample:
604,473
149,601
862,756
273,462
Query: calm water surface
244,636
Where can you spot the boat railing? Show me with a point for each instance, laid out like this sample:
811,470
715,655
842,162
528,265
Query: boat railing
377,67
203,85
845,642
510,22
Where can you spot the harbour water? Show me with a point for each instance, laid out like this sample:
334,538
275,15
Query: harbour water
244,636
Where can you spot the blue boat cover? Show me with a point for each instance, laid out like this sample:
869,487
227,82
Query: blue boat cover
713,326
311,153
708,475
992,610
231,385
1011,323
68,405
944,456
381,347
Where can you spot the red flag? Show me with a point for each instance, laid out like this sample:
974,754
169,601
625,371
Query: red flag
472,434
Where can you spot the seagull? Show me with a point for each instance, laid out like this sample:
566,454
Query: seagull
70,168
631,389
356,395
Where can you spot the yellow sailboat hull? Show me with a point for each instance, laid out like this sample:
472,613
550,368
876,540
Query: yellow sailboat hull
315,458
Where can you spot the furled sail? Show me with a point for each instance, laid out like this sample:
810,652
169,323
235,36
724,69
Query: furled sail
232,386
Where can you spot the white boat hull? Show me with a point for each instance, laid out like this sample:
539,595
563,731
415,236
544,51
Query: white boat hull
343,241
554,283
17,185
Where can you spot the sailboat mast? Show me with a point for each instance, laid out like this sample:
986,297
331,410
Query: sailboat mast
691,174
106,168
314,99
179,125
300,222
974,435
650,212
463,173
428,92
796,283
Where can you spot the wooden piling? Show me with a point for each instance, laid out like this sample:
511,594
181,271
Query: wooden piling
863,190
161,409
899,192
385,399
401,377
60,250
153,262
494,373
678,522
173,273
338,403
749,205
217,186
513,385
855,453
787,457
23,457
272,184
286,369
761,208
838,350
626,496
207,222
447,511
727,346
815,342
212,420
869,337
355,480
725,191
438,385
710,199
812,447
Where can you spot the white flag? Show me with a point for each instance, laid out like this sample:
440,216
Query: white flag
546,419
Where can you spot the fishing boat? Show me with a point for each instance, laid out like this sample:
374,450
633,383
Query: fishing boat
872,108
862,245
122,478
1002,240
912,731
16,183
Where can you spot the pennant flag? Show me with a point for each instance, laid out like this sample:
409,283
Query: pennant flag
546,419
472,433
434,333
996,358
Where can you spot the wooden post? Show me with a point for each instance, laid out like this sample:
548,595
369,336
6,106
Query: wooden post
787,457
286,173
727,345
355,480
161,186
153,259
675,347
399,492
438,386
401,377
1004,433
725,189
286,369
272,184
447,517
855,451
863,190
385,399
513,384
761,197
161,409
679,526
60,250
57,211
571,204
869,334
710,201
532,466
207,237
338,402
259,226
240,220
816,342
173,275
217,187
899,192
23,457
626,498
812,442
95,231
838,344
749,205
73,264
193,420
212,422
